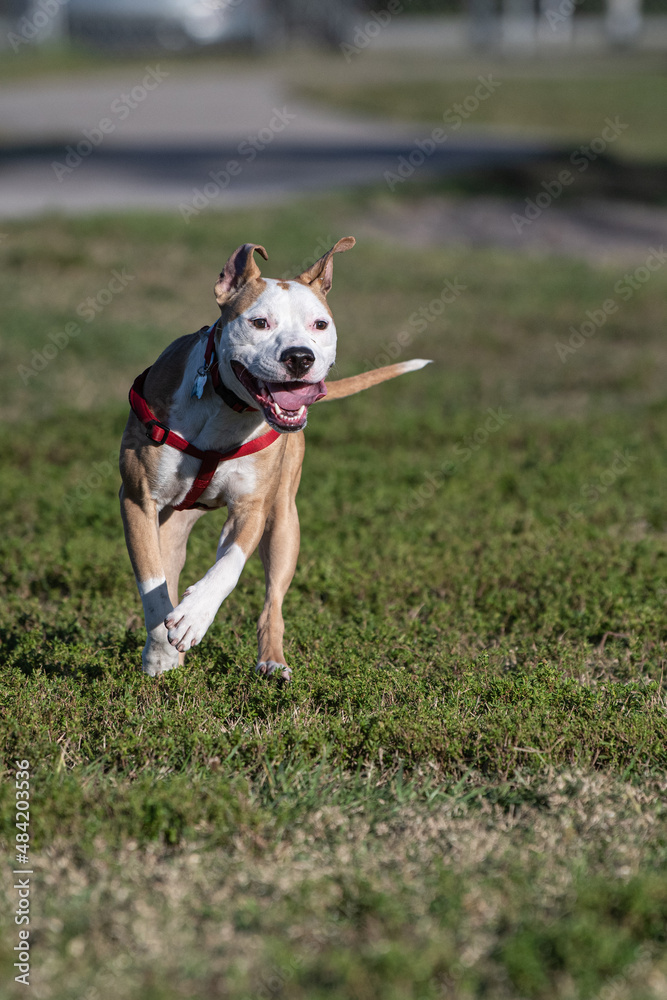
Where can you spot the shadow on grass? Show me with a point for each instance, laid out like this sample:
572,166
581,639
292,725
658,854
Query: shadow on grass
67,650
608,177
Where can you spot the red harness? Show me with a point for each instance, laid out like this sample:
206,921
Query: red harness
160,434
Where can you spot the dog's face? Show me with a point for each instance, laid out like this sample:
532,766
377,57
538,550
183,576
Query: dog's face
278,338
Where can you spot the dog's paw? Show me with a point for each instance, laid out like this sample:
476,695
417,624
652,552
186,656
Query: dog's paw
157,658
188,623
269,668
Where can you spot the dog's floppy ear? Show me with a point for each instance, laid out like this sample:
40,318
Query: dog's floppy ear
239,269
320,274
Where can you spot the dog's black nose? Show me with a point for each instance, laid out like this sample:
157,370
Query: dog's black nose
297,360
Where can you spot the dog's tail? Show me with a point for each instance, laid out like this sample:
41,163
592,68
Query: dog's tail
348,386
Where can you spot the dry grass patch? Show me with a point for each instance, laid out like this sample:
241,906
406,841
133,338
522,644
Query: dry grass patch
462,896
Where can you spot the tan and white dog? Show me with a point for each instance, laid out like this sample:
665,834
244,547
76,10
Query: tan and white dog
204,407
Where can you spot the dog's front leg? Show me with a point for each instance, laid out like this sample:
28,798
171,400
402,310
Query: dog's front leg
188,623
140,521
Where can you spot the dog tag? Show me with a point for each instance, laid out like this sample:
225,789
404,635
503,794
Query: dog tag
199,383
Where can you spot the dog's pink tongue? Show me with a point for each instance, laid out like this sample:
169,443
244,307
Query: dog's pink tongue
294,395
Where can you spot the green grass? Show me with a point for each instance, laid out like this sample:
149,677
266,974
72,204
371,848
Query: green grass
566,101
462,792
27,61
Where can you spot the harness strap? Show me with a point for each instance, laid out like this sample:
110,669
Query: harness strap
159,434
203,478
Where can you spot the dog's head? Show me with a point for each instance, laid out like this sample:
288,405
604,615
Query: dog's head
277,340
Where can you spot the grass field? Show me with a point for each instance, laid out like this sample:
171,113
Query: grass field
462,792
564,101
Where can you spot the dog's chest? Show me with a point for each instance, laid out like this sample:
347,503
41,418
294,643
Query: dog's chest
207,425
176,473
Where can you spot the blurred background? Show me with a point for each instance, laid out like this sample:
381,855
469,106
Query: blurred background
84,125
532,130
481,580
437,131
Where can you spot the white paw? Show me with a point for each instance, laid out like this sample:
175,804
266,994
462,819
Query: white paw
158,657
188,623
269,668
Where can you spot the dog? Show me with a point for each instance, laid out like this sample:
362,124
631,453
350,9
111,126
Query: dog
218,421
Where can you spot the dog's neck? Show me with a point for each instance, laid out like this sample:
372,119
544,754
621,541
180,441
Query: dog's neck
231,399
209,422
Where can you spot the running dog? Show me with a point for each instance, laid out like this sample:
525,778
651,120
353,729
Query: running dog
218,421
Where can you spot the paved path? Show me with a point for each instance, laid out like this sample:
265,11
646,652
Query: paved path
183,140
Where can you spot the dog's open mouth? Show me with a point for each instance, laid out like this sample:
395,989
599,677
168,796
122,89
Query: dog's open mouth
284,404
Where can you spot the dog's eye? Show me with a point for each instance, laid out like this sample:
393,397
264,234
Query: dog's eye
259,324
321,324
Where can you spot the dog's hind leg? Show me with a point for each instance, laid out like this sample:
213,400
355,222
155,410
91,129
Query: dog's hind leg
189,621
175,528
279,550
